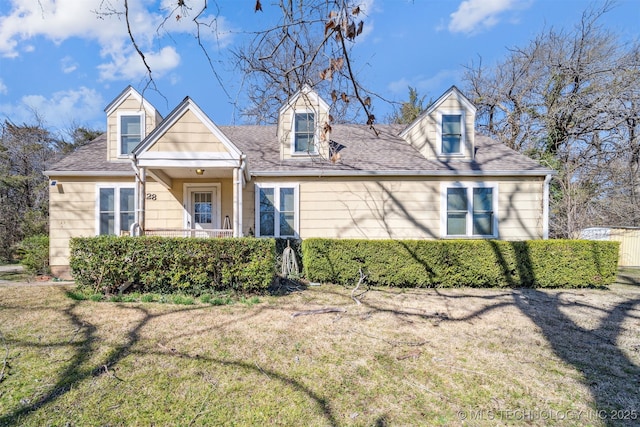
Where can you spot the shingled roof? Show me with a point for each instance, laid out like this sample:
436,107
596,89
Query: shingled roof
91,159
360,151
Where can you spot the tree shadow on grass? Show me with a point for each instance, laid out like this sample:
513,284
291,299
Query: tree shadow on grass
593,352
84,342
611,376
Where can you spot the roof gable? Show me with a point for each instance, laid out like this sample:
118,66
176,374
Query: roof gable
454,92
129,92
312,97
187,129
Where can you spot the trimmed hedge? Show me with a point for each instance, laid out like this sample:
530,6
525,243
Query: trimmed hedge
165,265
456,263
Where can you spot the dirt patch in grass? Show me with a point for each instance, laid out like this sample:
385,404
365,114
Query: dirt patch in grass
402,357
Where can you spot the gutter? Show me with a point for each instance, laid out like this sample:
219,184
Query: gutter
88,173
403,173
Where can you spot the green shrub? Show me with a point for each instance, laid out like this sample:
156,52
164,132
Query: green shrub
454,263
160,265
33,253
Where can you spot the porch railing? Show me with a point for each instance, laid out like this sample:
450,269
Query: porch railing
182,232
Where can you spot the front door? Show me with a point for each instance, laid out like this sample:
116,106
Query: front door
202,208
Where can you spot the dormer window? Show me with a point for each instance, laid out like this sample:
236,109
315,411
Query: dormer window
130,131
451,134
304,129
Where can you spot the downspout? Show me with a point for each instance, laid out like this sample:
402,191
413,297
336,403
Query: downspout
545,207
137,228
238,179
236,196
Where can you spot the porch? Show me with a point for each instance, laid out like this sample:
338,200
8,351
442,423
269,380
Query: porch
188,202
181,232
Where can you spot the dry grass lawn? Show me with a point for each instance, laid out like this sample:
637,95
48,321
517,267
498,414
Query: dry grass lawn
402,357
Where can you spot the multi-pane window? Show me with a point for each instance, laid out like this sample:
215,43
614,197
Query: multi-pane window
277,210
304,132
202,207
451,133
130,132
457,209
483,211
116,209
470,211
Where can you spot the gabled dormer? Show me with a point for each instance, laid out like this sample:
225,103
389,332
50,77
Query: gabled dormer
130,118
445,130
300,126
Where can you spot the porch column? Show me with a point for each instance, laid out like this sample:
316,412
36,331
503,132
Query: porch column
237,196
143,198
141,178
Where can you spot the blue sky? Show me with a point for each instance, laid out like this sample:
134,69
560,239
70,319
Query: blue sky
61,61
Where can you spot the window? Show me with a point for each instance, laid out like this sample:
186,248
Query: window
276,209
304,133
130,132
451,132
470,210
116,209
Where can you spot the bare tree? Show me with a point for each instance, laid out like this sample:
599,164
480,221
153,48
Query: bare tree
24,199
310,44
569,98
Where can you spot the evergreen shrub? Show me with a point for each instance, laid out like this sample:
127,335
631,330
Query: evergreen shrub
458,263
111,264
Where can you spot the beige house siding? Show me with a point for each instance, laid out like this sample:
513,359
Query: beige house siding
72,203
399,208
248,209
189,134
520,208
72,207
424,135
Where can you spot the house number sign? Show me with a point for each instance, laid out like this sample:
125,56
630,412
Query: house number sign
151,196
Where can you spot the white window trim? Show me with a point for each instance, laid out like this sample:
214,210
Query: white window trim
295,153
469,186
276,193
119,116
186,193
116,203
463,136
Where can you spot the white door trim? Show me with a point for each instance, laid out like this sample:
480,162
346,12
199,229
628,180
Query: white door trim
187,188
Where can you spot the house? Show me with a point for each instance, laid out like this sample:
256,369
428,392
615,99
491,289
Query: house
183,175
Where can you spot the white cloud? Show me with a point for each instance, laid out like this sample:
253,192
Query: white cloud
59,20
64,108
3,88
68,65
128,65
476,15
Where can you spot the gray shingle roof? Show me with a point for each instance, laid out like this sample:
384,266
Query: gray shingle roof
361,151
91,157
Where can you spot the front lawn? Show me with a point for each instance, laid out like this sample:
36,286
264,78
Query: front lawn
401,357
